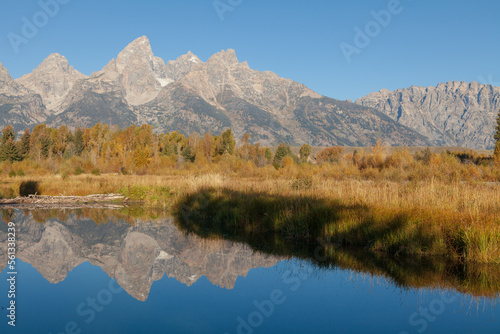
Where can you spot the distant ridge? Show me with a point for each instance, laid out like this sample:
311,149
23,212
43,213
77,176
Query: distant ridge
449,114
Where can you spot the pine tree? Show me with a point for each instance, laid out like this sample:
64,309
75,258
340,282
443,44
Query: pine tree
496,154
24,144
497,134
8,148
282,151
78,141
305,152
7,133
226,143
9,152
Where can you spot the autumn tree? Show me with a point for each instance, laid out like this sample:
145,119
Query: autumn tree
244,151
142,156
330,154
378,151
207,146
60,139
169,143
40,141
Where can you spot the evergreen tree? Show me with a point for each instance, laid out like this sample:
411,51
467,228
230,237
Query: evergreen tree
268,155
305,152
8,148
188,154
78,141
24,144
7,133
497,134
496,154
9,151
226,143
282,151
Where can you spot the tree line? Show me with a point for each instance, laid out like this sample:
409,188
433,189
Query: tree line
139,149
135,146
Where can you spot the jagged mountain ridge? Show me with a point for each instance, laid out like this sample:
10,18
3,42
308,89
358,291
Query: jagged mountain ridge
19,106
449,114
136,255
190,95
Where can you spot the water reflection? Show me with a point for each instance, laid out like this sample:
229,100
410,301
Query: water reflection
136,252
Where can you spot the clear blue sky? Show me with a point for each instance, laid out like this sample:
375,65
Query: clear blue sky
426,43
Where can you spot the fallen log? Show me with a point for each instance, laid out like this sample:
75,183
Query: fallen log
41,199
64,206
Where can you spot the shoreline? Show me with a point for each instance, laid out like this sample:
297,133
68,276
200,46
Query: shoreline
433,217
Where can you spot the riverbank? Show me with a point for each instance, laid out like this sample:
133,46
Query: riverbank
455,219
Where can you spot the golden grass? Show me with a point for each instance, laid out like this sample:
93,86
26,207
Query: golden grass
465,215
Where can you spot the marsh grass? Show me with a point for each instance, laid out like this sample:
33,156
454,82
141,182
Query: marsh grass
435,217
457,220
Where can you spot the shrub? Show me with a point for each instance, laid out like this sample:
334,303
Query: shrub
302,183
96,171
79,170
20,172
330,154
12,173
29,188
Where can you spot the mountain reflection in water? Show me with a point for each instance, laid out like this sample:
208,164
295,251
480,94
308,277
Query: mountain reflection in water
135,252
287,287
139,251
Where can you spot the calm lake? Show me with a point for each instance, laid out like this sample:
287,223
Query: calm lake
108,271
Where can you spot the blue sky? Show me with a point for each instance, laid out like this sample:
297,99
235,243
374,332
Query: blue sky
423,43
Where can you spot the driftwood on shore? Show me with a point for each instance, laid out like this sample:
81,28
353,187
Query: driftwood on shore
41,200
67,206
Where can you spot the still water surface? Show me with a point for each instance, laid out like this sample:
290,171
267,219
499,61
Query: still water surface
96,271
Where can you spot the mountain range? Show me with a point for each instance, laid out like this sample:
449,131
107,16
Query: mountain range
189,95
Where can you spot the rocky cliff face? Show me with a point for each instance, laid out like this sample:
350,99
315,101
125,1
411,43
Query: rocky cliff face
98,98
142,74
224,92
135,255
452,113
178,68
53,79
19,106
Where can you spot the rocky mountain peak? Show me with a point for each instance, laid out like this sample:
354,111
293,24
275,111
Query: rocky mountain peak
137,51
176,69
227,57
52,79
143,74
55,60
5,75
